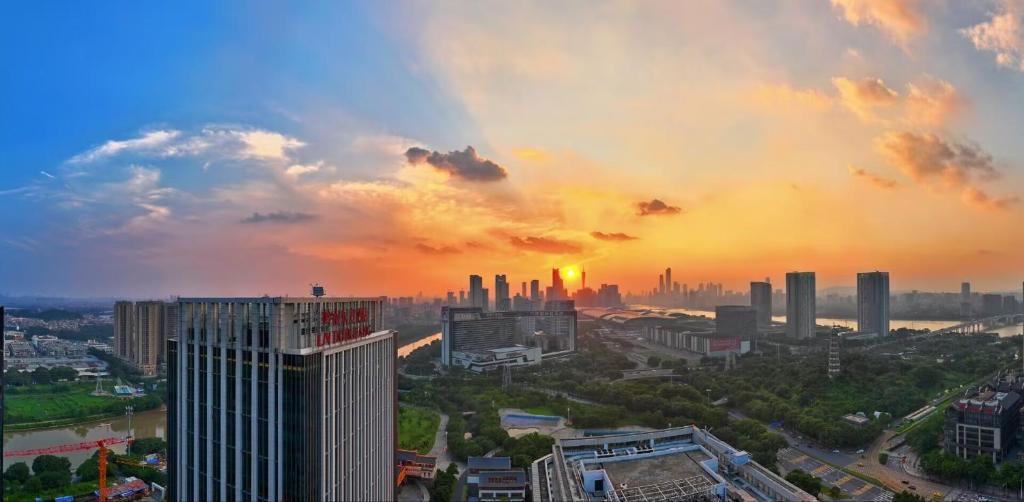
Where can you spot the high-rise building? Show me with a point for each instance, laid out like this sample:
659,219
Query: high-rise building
523,293
501,298
557,290
661,284
800,305
140,333
477,296
873,302
469,330
668,280
281,399
535,290
991,304
965,300
761,301
462,297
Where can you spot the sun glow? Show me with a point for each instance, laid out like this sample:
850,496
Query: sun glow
569,272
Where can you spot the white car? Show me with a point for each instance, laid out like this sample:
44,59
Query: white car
860,451
835,451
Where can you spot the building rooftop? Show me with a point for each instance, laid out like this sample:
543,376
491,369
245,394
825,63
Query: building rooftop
489,463
655,470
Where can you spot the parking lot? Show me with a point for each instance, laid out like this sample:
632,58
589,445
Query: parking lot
856,488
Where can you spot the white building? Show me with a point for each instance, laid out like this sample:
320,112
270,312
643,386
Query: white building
486,360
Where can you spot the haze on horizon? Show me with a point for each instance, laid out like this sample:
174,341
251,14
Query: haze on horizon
395,148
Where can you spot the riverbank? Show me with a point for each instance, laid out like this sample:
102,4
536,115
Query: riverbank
410,333
49,406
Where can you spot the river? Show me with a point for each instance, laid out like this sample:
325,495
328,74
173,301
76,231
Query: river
144,425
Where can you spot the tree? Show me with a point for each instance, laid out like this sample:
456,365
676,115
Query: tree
145,446
51,463
883,458
42,375
54,479
806,482
906,496
654,361
17,471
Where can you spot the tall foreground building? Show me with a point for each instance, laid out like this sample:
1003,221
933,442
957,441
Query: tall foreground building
281,399
873,302
761,300
800,305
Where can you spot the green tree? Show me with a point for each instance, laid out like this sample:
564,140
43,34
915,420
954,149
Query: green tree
906,496
806,482
51,463
54,479
17,471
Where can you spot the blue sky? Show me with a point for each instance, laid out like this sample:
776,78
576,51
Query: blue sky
149,149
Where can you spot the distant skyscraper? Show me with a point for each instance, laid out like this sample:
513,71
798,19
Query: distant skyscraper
523,293
462,297
761,300
501,299
476,292
535,290
557,290
279,399
140,333
800,305
965,299
661,284
583,277
991,304
873,302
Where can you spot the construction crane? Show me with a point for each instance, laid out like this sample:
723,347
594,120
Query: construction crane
102,444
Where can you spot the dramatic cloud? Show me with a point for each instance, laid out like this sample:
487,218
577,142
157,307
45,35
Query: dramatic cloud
296,170
656,207
615,236
925,156
1002,34
545,245
863,96
872,178
978,198
932,101
901,19
153,141
465,164
436,251
285,217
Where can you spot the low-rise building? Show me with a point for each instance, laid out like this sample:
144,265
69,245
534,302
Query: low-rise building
415,465
493,479
985,422
486,360
703,343
677,464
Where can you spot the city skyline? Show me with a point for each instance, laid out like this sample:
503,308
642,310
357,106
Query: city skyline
155,160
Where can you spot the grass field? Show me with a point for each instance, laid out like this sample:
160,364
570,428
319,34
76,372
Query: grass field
417,428
51,405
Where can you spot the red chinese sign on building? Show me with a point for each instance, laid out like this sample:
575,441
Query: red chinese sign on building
341,326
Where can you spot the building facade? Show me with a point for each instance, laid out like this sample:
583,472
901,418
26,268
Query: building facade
281,399
140,333
873,303
984,424
736,321
470,329
801,309
761,301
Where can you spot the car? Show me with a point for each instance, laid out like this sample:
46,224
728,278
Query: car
860,451
835,451
860,464
912,487
904,481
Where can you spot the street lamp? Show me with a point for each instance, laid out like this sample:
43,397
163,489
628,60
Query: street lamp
709,394
129,411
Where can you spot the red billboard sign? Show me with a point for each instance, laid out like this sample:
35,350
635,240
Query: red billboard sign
723,344
342,325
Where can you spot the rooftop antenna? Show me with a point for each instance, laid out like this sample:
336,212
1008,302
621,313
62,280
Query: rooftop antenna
318,289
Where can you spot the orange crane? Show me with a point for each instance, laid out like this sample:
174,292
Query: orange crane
102,444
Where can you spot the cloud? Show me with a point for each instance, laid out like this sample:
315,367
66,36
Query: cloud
284,217
873,178
784,97
656,207
613,237
232,142
977,198
863,96
900,19
437,251
545,245
296,170
932,101
465,164
925,156
152,141
1002,34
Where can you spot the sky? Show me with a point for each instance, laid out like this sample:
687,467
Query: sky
394,148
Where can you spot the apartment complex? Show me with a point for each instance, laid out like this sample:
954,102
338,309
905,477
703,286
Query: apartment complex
140,333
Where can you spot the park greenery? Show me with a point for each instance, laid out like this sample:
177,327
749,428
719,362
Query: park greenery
444,484
417,428
47,405
926,441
